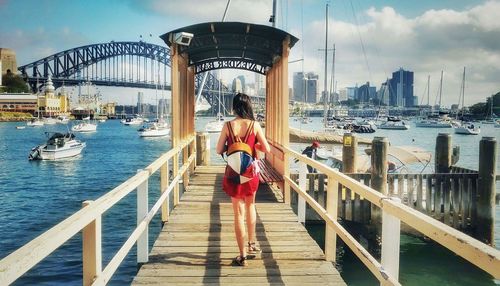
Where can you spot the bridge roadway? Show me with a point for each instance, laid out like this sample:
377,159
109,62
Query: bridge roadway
197,244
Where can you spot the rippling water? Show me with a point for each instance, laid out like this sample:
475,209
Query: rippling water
37,195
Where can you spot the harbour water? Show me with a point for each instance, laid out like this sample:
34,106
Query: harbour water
37,195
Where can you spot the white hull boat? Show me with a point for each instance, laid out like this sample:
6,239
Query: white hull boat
216,125
58,146
394,126
133,121
49,121
154,130
35,123
62,119
84,127
467,130
434,124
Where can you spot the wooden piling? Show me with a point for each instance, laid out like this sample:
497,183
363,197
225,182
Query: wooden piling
379,172
486,190
349,150
202,149
443,153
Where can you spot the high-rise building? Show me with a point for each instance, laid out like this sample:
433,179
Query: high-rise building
352,93
298,87
383,94
311,87
401,89
237,85
366,93
140,102
260,86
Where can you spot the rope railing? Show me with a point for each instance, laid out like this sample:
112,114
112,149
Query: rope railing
88,220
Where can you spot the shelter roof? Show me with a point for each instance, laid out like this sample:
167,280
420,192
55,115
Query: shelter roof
232,45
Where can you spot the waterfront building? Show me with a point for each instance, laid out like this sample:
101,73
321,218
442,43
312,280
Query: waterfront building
342,95
8,61
352,92
312,87
298,87
260,86
108,109
18,102
383,94
401,89
305,87
52,104
366,93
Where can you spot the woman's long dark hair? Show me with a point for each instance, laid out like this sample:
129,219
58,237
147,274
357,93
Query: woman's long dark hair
242,106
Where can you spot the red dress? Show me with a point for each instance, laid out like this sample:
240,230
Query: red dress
240,191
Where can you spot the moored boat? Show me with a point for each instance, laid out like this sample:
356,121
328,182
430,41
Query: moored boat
154,129
84,127
57,147
467,130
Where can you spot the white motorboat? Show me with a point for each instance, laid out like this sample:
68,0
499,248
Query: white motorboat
469,129
35,123
216,125
62,119
84,127
49,121
133,121
154,129
392,125
20,127
57,147
427,123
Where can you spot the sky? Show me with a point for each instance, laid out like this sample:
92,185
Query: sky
372,38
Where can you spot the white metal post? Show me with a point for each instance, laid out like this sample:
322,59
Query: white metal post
142,211
301,205
391,227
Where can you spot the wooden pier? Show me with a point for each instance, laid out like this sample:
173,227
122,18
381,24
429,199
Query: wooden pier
197,244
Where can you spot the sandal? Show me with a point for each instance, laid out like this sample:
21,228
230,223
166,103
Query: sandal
253,249
240,261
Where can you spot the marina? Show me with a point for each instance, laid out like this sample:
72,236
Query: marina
355,186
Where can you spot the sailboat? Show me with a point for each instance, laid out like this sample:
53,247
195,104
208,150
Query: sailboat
86,126
465,129
432,121
159,127
37,122
216,125
491,120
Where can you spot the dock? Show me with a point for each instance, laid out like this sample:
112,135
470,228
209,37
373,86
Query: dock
197,244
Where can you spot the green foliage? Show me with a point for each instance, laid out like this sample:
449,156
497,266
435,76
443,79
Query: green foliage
14,84
483,109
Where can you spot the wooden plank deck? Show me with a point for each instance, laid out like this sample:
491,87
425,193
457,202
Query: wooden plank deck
197,245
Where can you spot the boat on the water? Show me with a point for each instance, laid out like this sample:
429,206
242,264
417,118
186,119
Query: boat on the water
20,127
394,123
133,121
84,127
468,129
216,125
154,129
433,123
49,121
35,123
58,146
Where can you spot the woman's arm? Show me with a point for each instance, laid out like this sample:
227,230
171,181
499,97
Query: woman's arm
262,144
221,143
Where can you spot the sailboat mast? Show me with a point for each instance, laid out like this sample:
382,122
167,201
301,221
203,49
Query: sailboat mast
325,93
428,88
440,89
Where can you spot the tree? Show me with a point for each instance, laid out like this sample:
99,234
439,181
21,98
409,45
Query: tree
14,83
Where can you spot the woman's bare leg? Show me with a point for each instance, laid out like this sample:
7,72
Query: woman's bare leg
251,217
239,224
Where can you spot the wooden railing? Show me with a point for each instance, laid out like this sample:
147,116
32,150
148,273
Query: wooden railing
449,198
88,220
393,212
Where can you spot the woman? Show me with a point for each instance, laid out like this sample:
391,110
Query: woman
243,195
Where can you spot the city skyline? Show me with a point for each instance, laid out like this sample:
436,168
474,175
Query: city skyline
372,39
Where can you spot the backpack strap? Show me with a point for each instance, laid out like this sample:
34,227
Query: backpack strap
249,130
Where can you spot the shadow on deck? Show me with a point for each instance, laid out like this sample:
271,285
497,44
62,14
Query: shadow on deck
197,245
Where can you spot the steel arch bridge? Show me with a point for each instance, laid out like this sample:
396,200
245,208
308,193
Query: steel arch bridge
122,64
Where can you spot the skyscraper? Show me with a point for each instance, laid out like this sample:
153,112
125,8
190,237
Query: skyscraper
401,89
312,87
298,87
140,102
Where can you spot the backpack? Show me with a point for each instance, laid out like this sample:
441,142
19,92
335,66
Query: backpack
239,168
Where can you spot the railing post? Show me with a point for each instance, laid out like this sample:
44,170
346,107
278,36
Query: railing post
332,196
286,186
301,204
163,187
391,232
142,211
378,174
185,157
443,153
91,249
349,150
175,170
485,224
202,149
192,150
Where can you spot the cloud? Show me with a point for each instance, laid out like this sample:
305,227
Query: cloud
196,11
37,43
426,44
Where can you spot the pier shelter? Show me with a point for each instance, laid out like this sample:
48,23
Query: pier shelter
194,246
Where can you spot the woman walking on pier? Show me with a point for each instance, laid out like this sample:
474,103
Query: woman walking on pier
242,187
